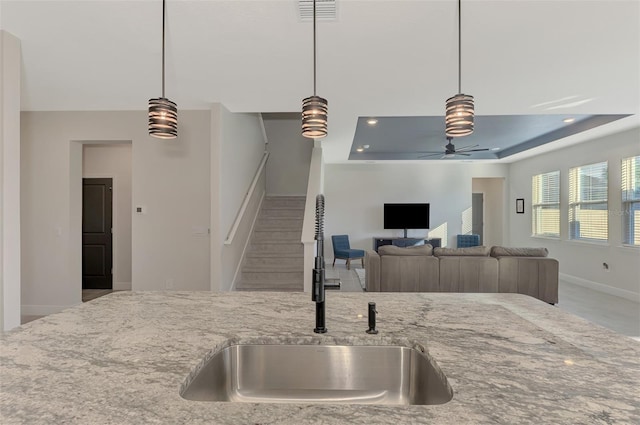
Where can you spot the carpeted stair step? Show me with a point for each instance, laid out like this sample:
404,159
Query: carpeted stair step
282,248
249,277
271,281
288,264
284,202
274,260
269,288
262,236
274,254
281,213
279,223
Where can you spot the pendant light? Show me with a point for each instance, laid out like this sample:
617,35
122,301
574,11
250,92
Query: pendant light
163,113
314,108
459,108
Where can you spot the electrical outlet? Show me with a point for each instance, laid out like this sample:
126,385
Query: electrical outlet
168,284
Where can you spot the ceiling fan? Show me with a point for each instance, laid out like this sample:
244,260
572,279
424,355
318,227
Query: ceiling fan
450,150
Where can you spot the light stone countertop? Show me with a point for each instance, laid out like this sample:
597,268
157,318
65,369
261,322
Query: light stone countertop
509,358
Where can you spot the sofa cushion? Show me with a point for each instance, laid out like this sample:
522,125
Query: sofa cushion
502,251
410,250
474,251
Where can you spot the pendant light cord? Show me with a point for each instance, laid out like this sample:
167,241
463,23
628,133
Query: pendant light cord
459,47
164,5
314,47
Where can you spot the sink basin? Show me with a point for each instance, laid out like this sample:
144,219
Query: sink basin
381,374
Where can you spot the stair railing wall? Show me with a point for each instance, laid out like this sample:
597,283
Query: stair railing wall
247,199
315,186
245,222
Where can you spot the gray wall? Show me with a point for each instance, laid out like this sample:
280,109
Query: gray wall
10,270
581,262
289,155
355,195
170,179
237,148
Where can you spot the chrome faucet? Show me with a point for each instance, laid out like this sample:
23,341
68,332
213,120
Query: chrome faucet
318,289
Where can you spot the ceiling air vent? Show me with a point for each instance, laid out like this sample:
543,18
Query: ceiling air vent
325,10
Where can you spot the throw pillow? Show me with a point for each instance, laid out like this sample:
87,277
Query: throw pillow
473,251
502,251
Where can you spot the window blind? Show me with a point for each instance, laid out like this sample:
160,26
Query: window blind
545,204
631,200
588,208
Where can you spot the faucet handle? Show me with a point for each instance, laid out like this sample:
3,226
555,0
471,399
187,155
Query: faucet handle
372,319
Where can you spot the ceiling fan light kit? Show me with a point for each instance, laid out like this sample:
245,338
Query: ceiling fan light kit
315,109
163,113
459,110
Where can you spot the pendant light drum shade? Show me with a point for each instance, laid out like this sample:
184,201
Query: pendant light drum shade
163,113
459,115
314,108
314,116
459,109
163,118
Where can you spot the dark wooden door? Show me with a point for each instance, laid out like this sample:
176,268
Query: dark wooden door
97,239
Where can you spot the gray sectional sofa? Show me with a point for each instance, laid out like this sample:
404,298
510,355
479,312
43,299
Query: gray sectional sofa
477,269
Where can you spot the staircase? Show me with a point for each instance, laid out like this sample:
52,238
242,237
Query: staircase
275,259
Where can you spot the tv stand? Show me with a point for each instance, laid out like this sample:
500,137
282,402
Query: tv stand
404,242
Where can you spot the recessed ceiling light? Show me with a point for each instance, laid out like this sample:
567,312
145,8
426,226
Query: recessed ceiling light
360,149
366,146
568,120
495,149
372,121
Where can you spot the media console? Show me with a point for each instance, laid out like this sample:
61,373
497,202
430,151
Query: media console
404,242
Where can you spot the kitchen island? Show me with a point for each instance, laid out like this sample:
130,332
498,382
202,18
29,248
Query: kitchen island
122,359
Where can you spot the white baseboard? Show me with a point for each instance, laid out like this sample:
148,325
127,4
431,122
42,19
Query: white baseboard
42,310
607,289
121,286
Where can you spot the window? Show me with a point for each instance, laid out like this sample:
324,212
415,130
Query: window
545,201
588,214
631,201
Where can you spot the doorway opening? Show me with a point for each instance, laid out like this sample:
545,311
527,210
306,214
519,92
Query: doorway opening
477,215
106,220
488,205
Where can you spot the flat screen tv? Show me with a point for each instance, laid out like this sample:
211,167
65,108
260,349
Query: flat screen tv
406,216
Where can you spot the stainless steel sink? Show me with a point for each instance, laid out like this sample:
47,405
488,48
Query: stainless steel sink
320,374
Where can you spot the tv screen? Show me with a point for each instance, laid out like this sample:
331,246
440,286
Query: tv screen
406,216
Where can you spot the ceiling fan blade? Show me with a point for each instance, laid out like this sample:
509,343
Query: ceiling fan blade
431,154
467,148
453,155
477,150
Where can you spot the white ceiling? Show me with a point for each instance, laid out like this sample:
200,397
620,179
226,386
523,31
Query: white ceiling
379,58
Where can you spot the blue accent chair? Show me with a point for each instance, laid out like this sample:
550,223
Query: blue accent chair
466,241
343,251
